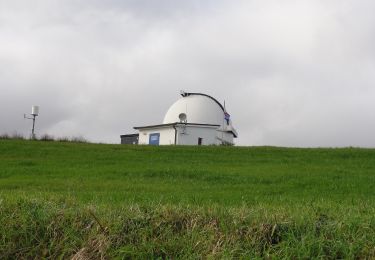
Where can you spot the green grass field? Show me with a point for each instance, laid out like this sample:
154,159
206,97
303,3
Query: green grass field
88,201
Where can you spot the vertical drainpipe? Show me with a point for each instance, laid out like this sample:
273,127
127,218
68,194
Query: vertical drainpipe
175,134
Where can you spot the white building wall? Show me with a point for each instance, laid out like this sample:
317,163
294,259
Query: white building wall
186,135
167,135
189,135
226,137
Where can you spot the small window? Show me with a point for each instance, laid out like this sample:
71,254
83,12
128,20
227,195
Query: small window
200,141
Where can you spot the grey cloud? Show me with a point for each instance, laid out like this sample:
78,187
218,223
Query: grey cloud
300,73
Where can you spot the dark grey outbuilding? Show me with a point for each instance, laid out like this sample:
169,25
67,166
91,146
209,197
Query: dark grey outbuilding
129,139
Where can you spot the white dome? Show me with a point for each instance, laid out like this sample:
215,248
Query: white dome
199,109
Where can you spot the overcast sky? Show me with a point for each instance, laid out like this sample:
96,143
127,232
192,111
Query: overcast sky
292,73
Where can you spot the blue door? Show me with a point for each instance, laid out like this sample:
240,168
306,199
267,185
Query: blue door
154,139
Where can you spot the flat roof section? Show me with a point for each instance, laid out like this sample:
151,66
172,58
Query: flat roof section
174,124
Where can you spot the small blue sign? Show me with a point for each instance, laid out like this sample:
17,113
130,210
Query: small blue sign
154,139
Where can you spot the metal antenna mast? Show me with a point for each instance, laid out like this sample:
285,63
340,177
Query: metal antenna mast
34,114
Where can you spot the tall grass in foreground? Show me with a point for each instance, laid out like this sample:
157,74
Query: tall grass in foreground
41,229
91,201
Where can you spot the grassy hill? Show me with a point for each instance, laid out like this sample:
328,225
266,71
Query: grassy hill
81,200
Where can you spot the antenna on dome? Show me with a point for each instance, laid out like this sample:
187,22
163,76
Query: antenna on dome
183,93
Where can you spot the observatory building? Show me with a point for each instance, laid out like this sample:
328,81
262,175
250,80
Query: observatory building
194,119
